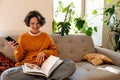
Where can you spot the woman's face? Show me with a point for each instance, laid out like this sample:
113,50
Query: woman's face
34,25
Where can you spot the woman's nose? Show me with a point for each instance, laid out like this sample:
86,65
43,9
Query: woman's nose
36,25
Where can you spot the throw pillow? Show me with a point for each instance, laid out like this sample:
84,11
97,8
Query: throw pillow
97,58
8,52
5,63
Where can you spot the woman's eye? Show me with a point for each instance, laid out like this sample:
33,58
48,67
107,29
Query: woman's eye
32,23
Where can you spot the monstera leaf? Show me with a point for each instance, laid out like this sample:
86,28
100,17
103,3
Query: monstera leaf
64,28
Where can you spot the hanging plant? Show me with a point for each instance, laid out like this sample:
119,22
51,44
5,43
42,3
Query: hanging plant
83,27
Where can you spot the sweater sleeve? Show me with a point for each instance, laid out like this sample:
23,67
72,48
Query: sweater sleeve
19,52
52,50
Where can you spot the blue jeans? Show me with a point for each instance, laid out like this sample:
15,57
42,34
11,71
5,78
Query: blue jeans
65,70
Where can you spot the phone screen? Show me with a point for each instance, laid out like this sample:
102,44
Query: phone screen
8,38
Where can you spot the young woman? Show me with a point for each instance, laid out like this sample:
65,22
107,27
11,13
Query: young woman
35,47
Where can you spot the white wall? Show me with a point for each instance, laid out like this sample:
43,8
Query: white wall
12,13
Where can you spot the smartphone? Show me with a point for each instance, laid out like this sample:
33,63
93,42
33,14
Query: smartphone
8,38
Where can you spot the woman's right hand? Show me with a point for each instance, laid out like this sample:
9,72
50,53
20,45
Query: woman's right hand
13,44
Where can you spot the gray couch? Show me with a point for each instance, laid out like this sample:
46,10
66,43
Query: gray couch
74,47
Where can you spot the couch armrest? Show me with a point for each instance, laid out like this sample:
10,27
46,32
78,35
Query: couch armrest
115,56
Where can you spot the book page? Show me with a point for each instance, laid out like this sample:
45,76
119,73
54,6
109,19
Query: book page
32,68
58,62
48,64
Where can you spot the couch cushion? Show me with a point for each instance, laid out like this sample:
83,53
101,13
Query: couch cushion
2,43
73,46
97,58
87,71
8,52
5,48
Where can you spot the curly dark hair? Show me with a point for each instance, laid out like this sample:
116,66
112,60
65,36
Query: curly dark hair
36,14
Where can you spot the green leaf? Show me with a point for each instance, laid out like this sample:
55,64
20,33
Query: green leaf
94,12
79,23
54,26
72,4
117,45
105,20
109,1
95,28
60,6
64,9
110,11
89,31
64,28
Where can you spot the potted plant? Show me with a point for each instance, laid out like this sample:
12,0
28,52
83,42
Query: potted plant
113,22
63,28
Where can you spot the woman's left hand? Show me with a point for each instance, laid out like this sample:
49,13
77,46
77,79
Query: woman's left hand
40,57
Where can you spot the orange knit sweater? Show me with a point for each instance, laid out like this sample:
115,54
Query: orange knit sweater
30,46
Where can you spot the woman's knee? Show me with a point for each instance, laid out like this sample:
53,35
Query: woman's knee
16,73
68,66
66,69
10,71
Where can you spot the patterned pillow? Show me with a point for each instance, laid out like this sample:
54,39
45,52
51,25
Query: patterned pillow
97,58
5,63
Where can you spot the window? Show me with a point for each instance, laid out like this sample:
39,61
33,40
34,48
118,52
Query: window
59,11
83,8
60,17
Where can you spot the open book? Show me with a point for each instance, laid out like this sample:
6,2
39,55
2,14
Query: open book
50,64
